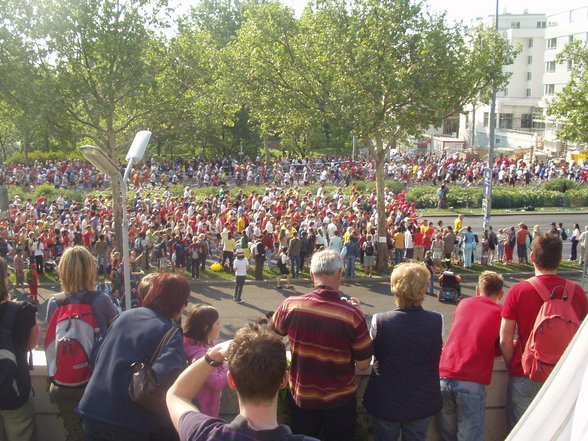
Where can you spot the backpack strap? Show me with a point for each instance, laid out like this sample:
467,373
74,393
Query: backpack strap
540,288
89,297
60,299
164,341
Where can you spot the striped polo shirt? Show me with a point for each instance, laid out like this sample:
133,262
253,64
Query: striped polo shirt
326,336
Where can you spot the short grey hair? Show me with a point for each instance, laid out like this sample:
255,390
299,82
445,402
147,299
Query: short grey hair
327,262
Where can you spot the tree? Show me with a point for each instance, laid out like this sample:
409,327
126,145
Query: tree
400,70
569,106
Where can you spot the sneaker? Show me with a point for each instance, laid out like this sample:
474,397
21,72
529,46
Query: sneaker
239,301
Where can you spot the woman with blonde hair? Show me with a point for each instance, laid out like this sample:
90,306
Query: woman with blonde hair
17,412
404,393
77,273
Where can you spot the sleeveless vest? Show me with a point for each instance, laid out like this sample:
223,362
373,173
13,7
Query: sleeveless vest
407,348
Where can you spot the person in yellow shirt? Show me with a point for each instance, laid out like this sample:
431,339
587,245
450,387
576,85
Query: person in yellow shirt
240,224
458,223
399,245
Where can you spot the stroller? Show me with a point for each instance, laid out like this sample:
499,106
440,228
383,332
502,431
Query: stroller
450,288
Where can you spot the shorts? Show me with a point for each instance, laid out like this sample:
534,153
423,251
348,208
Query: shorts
369,260
284,271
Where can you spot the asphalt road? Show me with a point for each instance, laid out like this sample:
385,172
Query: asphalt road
262,298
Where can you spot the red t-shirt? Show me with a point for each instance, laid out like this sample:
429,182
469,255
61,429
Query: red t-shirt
522,305
468,354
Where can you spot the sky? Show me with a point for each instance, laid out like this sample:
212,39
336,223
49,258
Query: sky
468,10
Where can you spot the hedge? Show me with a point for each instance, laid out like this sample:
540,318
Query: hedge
502,197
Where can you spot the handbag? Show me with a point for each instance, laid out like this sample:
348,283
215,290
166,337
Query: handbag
144,388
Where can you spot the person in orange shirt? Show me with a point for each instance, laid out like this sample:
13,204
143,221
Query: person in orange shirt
522,234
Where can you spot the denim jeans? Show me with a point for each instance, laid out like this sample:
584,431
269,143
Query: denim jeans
295,265
519,394
349,266
432,284
240,281
268,259
414,430
462,417
398,255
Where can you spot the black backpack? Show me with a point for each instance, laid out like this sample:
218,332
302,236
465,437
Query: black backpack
369,249
9,394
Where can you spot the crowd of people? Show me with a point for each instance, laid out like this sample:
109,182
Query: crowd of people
410,168
149,381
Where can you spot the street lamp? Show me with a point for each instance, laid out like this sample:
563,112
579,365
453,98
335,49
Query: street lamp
107,166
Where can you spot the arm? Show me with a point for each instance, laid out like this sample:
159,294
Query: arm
507,330
189,383
363,364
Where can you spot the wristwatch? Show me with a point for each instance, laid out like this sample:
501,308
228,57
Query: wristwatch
212,362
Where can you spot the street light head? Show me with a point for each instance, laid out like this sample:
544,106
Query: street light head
139,146
101,161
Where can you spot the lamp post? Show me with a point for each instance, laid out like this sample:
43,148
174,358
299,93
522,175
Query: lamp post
487,202
107,166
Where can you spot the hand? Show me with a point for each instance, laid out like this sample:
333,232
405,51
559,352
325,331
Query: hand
354,301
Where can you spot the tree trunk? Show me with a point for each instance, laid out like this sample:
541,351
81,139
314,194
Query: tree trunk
380,156
26,144
266,149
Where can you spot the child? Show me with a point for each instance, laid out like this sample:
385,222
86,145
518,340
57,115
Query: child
468,358
32,278
430,264
240,266
283,262
369,249
19,265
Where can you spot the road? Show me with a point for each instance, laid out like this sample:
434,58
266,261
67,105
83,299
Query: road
262,298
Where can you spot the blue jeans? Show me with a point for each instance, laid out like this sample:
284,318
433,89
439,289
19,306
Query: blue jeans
467,254
350,266
432,284
519,394
415,430
295,265
268,259
240,281
462,417
398,255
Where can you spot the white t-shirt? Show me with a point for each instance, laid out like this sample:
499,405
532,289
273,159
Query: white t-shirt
240,266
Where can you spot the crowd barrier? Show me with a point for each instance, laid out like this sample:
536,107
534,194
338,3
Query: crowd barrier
50,427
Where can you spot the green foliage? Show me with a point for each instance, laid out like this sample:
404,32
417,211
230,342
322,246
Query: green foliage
559,184
40,156
48,190
502,197
569,106
578,197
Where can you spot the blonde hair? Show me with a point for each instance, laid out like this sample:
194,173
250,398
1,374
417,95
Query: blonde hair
77,270
490,283
145,284
409,282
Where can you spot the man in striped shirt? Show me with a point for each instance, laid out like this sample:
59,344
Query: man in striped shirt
328,338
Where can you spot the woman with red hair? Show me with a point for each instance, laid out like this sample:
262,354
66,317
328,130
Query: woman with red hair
106,408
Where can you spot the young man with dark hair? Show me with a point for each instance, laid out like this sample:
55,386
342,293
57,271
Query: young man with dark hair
257,370
467,361
520,310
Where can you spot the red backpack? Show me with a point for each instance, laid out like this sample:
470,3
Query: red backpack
555,326
71,334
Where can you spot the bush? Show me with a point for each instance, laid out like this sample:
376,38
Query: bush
560,184
37,155
578,197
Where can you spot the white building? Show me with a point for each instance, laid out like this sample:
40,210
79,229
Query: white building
536,78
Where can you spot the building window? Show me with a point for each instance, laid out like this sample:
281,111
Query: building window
486,119
530,59
515,24
526,120
530,42
570,64
541,24
550,66
528,92
529,76
505,121
550,89
552,43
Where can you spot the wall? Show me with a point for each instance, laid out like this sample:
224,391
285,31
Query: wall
50,428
